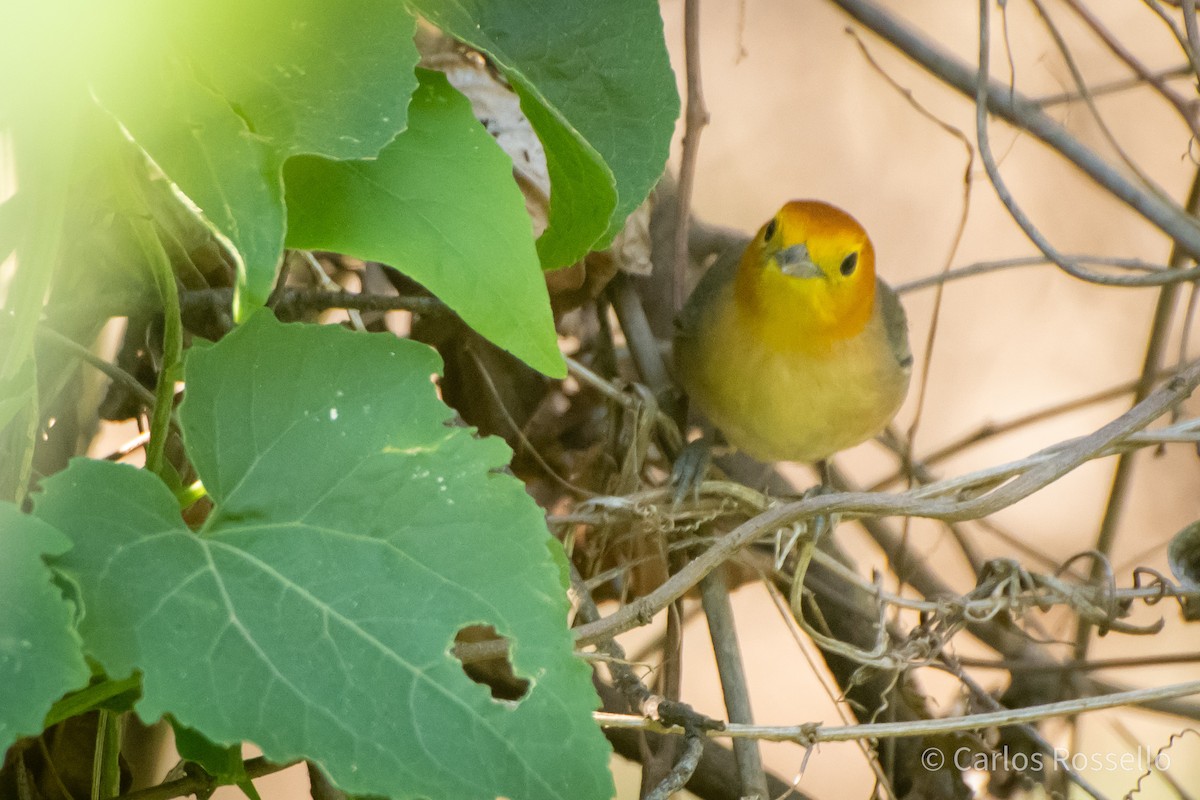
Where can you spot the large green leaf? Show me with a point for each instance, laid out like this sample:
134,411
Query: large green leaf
220,93
354,535
596,83
440,204
40,654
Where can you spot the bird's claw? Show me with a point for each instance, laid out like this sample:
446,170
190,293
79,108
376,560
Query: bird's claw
689,470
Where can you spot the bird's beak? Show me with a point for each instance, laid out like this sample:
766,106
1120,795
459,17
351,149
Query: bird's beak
796,262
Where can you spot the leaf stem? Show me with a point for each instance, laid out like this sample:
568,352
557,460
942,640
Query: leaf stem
813,732
144,231
90,698
106,767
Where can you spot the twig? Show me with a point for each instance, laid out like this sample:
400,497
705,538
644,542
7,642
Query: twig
1085,93
1176,31
715,777
195,784
1018,110
643,347
813,733
982,267
989,161
650,705
1120,85
834,692
1156,349
695,118
929,501
1053,466
1189,317
682,772
1028,731
1185,110
1076,665
935,317
714,594
522,439
1193,31
328,284
118,375
991,429
292,301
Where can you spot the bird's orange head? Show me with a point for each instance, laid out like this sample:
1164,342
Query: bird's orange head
808,277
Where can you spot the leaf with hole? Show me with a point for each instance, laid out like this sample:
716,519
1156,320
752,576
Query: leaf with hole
354,535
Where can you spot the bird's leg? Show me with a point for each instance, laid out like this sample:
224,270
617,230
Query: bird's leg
823,472
689,469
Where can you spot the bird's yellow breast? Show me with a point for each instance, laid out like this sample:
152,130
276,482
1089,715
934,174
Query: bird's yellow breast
787,404
797,350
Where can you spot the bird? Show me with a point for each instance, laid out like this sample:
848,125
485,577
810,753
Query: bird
797,350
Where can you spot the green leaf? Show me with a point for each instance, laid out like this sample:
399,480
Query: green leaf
40,653
354,535
220,93
223,763
18,426
596,83
439,204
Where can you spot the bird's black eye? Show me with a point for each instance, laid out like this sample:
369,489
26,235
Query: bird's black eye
849,263
769,231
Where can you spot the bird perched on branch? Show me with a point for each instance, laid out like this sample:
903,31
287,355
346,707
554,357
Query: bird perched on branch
797,350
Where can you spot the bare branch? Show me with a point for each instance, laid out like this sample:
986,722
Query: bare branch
813,733
1016,109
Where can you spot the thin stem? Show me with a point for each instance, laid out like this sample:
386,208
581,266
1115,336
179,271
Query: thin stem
643,346
1176,31
985,149
1144,75
118,375
695,118
1030,732
815,733
195,784
1156,349
106,767
1013,107
683,770
90,698
330,285
522,439
715,596
294,301
1193,31
992,429
983,267
1075,665
159,264
1123,84
1081,85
